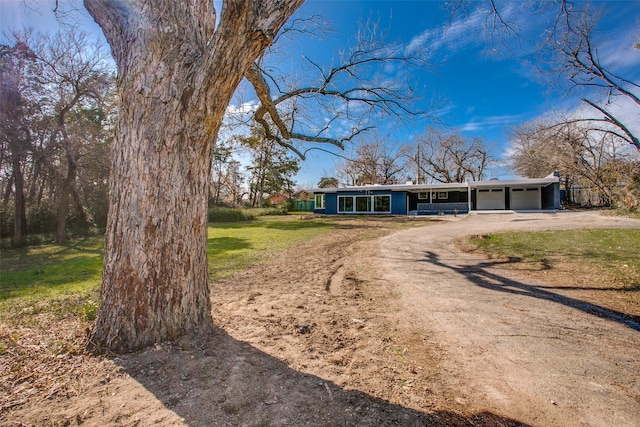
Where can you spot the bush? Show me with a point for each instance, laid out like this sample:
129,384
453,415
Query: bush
6,220
41,220
269,211
219,214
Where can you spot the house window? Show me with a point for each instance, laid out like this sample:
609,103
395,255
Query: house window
442,195
382,203
423,195
345,204
363,204
434,195
319,201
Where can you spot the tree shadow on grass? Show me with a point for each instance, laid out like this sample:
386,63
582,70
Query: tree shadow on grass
216,380
479,275
222,244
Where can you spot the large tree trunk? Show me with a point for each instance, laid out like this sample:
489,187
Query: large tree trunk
176,77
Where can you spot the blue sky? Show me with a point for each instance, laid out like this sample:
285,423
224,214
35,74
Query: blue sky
484,86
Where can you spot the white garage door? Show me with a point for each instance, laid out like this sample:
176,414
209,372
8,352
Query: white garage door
490,199
525,199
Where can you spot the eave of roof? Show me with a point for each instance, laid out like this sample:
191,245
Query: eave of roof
531,182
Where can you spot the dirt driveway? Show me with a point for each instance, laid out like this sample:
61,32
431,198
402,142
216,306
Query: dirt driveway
510,345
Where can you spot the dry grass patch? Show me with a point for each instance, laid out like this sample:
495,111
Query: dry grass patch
600,266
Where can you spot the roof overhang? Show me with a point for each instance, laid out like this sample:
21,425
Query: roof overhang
531,182
395,187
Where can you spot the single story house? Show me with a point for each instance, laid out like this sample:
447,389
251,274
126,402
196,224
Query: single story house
428,199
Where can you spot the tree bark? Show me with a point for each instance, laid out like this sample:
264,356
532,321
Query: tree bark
176,76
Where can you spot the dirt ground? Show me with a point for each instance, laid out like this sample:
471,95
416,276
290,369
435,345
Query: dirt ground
359,327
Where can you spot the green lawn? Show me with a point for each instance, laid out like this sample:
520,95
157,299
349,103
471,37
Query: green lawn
67,277
614,253
233,247
49,270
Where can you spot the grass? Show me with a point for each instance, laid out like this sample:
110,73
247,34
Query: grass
233,247
612,253
64,279
49,270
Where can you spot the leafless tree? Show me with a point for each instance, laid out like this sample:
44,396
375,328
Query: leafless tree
443,157
600,164
55,109
578,63
78,82
374,161
17,67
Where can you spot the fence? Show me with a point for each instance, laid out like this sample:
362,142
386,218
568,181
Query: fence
303,205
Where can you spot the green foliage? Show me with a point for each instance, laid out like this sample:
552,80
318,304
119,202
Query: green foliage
271,170
328,182
88,310
6,220
220,214
41,219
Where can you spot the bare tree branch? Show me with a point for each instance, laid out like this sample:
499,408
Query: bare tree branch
352,90
628,135
573,55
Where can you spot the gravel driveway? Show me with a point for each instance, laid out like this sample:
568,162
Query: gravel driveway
510,345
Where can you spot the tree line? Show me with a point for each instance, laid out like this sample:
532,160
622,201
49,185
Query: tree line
57,105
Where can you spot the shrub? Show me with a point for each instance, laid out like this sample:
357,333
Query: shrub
219,214
41,219
6,220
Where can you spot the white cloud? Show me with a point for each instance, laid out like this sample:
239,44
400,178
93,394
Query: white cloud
243,108
618,53
490,122
454,36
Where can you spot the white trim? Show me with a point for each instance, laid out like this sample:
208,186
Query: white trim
533,182
371,203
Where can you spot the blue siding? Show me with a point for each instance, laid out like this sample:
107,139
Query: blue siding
331,203
399,203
